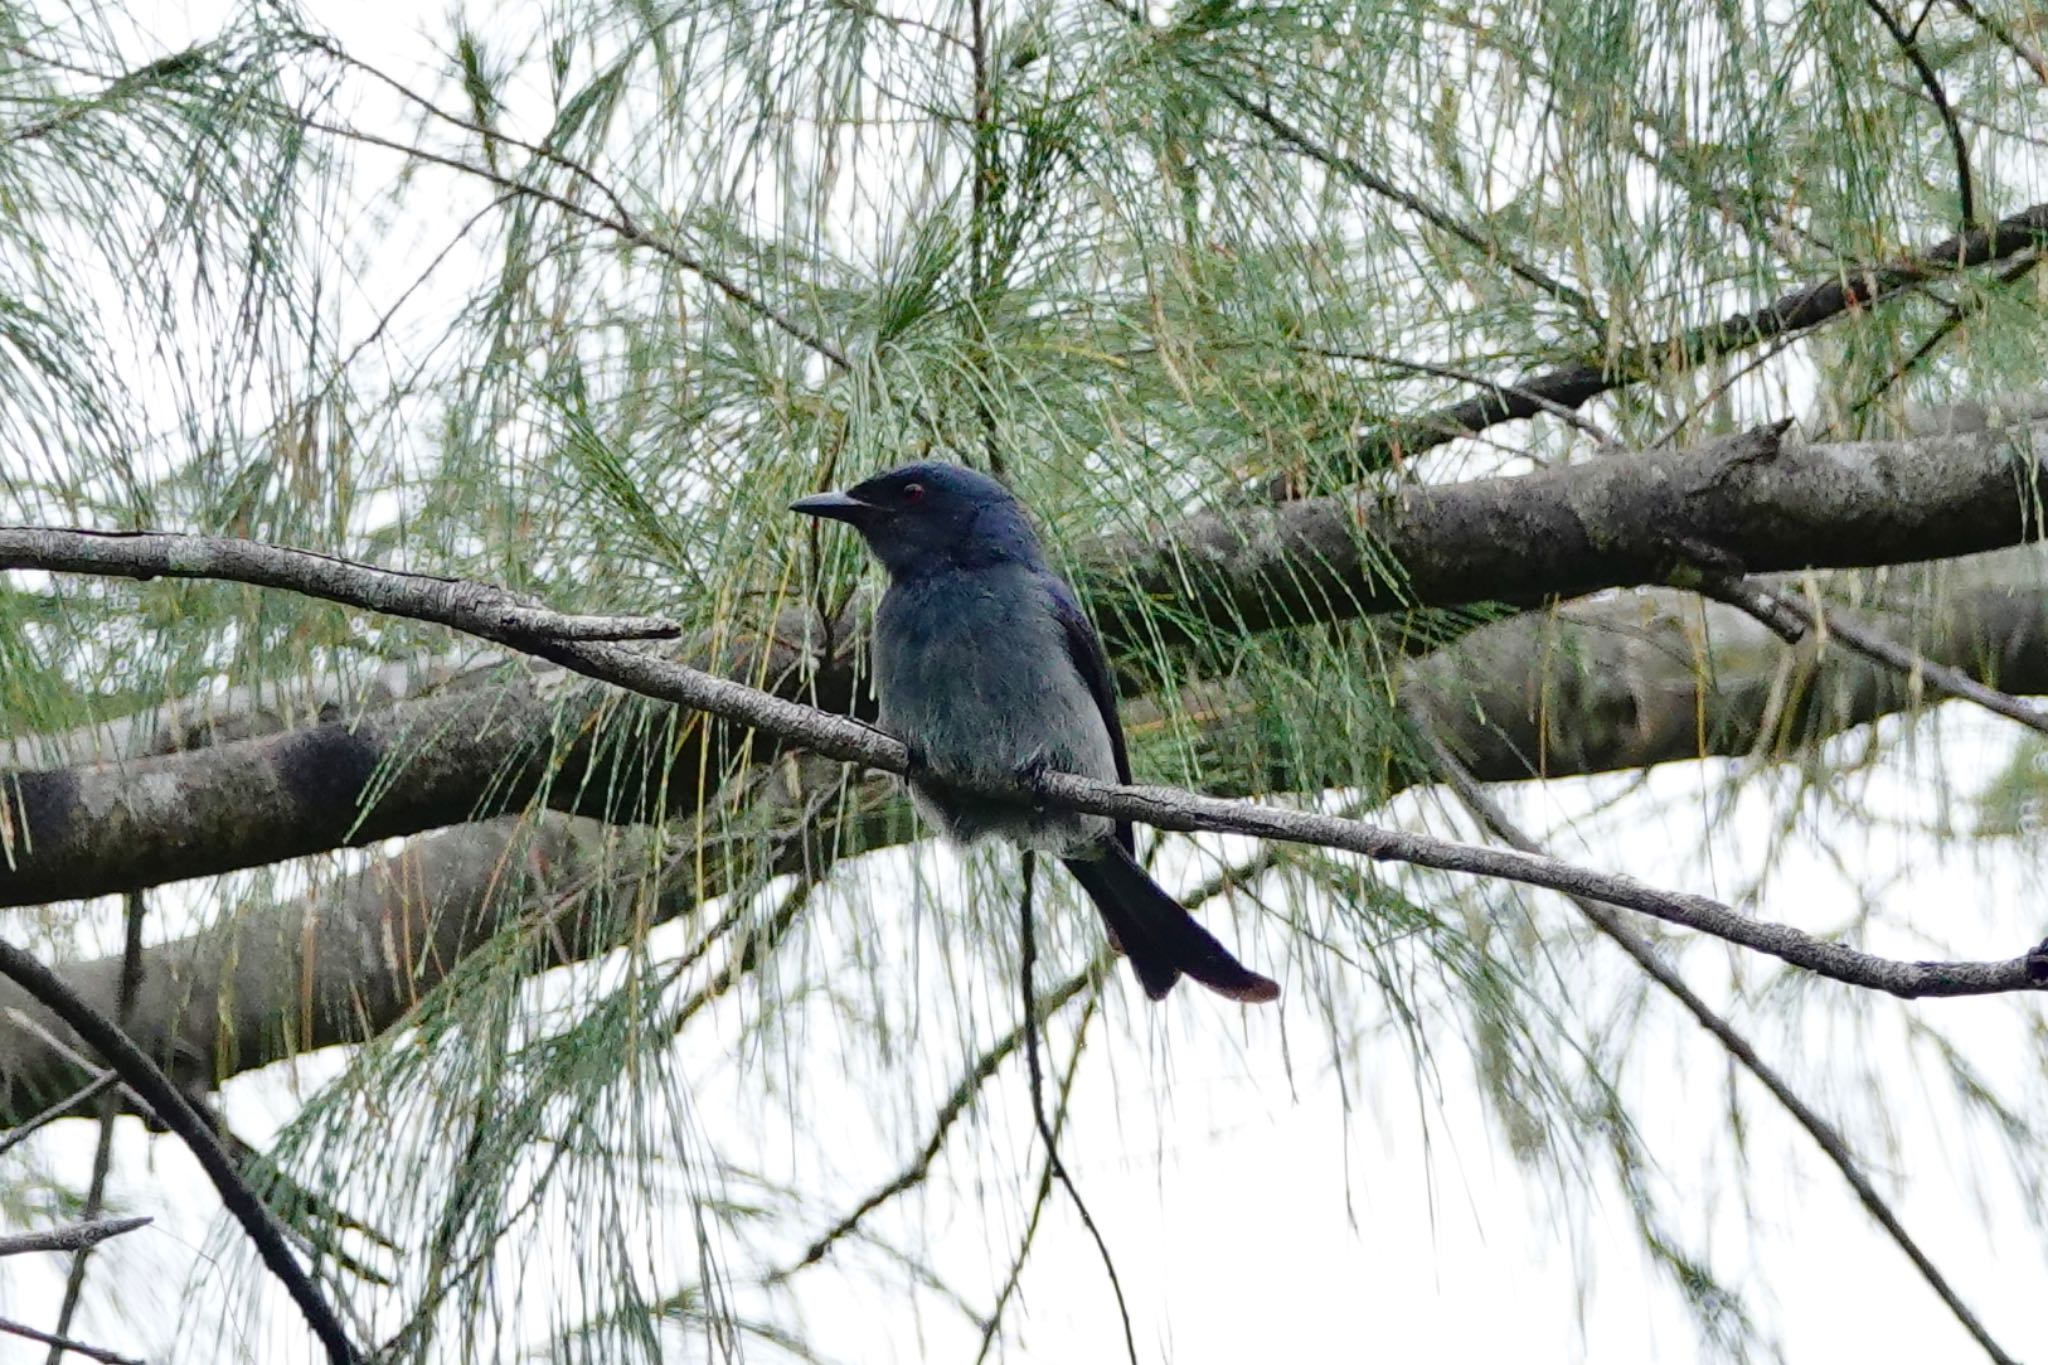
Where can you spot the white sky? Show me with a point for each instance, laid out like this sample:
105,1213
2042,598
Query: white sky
1254,1217
1222,1189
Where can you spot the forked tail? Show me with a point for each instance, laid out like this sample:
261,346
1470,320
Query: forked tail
1160,937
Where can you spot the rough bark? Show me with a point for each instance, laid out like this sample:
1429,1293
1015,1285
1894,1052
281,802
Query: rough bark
1643,679
1599,686
1748,503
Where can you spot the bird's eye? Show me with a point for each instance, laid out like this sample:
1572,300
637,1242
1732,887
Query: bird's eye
913,492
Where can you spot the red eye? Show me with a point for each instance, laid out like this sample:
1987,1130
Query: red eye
913,492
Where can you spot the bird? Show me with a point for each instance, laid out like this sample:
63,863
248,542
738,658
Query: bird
988,670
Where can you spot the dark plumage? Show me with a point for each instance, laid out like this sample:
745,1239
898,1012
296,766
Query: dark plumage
987,668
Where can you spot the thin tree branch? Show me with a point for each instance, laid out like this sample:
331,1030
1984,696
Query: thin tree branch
156,1089
134,904
851,741
1189,812
958,1102
1909,44
1768,504
1792,620
2031,56
1958,314
73,1238
623,226
1852,286
1619,682
1558,410
1027,961
1351,168
62,1344
61,1109
1824,1134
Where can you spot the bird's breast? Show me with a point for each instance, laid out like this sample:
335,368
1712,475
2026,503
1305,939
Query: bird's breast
973,670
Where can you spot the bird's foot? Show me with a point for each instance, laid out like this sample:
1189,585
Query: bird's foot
1031,776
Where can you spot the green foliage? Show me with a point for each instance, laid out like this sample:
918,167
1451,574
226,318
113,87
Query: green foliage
581,305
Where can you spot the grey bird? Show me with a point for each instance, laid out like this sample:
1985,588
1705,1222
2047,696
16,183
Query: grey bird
989,671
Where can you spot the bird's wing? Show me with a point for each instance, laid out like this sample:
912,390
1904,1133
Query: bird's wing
1084,647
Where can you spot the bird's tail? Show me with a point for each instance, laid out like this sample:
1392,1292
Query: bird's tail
1158,935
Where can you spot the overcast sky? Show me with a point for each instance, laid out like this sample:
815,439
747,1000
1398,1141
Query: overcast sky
1256,1210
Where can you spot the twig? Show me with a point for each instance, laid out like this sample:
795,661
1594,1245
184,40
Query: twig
1351,168
133,906
2028,54
1793,620
322,43
1355,170
1850,287
1958,314
986,1065
1909,44
62,1344
957,1104
23,1132
849,740
1823,1133
993,1323
72,1238
1558,410
624,227
28,1023
143,1075
1028,959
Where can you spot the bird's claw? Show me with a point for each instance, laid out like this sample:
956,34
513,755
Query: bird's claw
1031,776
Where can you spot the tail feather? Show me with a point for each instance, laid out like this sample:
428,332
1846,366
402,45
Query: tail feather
1160,937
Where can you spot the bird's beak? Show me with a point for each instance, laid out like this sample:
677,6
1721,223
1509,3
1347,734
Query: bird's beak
835,506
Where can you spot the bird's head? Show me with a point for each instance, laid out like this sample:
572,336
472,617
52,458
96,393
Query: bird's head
929,516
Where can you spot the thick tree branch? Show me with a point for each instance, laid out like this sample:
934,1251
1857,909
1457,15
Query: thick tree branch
1613,684
1654,678
1757,500
1164,808
1752,500
1785,615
